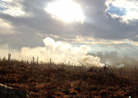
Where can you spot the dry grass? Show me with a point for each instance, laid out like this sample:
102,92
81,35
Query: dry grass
61,81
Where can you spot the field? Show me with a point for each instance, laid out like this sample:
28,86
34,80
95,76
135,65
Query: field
49,80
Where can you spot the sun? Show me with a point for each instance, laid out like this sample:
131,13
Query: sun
65,10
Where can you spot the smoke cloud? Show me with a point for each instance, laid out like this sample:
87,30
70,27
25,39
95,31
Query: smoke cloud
59,52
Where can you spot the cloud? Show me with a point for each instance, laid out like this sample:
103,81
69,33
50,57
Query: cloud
99,30
12,7
90,40
96,24
126,10
6,27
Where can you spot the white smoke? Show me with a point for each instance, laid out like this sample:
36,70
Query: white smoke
121,66
58,51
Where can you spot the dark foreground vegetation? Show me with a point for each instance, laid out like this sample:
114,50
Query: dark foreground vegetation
63,81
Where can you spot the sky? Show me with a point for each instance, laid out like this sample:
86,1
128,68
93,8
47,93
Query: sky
103,25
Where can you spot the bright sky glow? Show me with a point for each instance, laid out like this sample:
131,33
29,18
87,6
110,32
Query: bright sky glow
65,10
130,12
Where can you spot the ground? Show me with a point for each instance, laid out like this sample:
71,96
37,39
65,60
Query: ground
63,81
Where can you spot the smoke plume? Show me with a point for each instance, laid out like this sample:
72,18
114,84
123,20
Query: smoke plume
57,51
